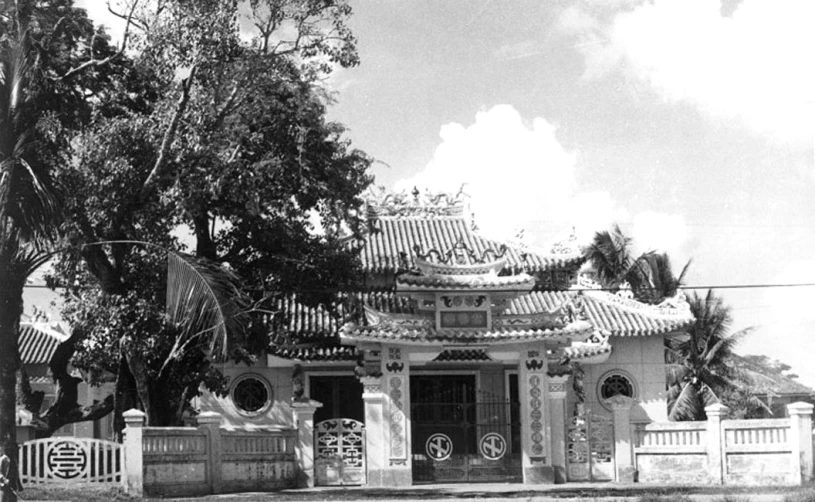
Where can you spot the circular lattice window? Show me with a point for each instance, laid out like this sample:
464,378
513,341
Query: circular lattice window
251,394
616,383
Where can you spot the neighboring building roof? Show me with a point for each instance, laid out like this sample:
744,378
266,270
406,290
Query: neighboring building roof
768,382
37,343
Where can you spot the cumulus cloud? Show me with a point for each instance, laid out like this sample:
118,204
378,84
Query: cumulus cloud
514,173
660,232
519,176
754,65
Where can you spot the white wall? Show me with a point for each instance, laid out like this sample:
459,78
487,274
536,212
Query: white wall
277,415
643,358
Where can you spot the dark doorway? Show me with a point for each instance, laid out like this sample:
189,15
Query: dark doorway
460,435
341,397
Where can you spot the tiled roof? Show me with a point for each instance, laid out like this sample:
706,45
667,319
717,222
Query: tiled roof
605,312
458,282
392,237
37,344
420,336
588,352
325,353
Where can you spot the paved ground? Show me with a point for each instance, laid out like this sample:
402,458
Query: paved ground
515,493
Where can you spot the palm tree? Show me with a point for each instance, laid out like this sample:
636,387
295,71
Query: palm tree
698,373
28,210
650,276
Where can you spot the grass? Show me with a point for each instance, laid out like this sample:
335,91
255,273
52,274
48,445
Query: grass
74,493
85,493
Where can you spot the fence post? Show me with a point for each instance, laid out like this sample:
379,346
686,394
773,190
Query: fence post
211,422
715,442
801,441
303,411
623,458
133,476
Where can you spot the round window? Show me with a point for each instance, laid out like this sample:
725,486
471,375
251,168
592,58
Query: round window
616,383
251,394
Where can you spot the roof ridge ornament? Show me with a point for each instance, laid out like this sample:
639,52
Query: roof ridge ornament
415,203
461,254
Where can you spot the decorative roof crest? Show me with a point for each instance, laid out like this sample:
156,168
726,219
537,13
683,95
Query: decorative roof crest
415,203
460,259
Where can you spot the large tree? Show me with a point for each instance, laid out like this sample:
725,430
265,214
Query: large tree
236,151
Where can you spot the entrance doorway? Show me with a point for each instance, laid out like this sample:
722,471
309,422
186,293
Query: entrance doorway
460,435
590,447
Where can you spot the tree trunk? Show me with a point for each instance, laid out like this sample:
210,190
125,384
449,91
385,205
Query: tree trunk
11,308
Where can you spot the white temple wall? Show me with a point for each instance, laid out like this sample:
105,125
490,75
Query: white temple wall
276,414
643,360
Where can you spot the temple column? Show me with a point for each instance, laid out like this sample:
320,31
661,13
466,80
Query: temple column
535,423
374,429
557,408
396,390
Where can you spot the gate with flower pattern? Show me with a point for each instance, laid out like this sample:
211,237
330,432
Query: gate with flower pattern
590,448
339,445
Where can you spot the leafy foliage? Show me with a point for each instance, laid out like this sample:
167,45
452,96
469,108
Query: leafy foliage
229,144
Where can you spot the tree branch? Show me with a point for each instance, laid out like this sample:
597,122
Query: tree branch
169,136
92,62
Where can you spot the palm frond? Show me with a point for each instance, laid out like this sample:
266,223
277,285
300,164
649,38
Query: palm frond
27,198
610,254
205,301
687,405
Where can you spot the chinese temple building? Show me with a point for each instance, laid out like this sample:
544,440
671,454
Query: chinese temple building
463,359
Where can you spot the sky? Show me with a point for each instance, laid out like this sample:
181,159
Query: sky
691,123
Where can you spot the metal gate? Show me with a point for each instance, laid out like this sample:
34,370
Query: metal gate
339,455
590,448
466,442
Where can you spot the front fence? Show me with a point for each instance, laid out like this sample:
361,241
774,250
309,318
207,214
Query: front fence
189,461
772,451
70,460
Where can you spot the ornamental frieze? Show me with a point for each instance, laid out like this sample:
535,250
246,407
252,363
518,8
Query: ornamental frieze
415,203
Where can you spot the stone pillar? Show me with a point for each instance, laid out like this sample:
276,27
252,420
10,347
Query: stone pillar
133,478
715,442
210,422
623,453
535,427
396,421
557,408
375,446
801,441
303,414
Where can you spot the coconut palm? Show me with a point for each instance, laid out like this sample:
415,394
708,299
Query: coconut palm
650,275
698,373
28,210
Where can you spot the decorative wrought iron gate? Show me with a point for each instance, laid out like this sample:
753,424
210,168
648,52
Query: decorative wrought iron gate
339,445
466,441
590,448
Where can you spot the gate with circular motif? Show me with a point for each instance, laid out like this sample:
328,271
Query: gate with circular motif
456,439
70,460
